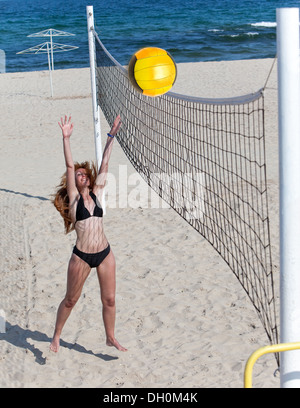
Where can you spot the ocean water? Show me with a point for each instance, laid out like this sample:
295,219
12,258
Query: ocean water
191,30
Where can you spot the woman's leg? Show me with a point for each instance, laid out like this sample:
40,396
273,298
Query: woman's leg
107,278
78,271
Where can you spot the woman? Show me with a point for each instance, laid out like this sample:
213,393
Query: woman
77,199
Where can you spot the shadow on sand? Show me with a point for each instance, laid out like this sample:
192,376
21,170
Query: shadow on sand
18,337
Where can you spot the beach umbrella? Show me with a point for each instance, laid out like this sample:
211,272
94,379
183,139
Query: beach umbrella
48,47
51,32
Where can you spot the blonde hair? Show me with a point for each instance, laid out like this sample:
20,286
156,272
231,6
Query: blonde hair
61,198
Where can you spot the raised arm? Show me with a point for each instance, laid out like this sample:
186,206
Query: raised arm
67,129
102,174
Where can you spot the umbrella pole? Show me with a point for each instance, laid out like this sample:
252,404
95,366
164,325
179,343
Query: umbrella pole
50,71
52,50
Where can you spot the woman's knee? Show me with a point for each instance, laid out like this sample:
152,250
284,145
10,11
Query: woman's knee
70,302
109,300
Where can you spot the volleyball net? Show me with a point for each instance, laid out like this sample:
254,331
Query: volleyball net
206,159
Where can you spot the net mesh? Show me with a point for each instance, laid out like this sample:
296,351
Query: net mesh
206,159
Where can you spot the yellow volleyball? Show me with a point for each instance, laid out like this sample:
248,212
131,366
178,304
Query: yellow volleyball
152,71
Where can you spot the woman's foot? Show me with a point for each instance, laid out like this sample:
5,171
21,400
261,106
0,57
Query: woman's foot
54,346
116,344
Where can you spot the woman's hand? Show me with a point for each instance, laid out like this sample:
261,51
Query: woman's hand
66,127
116,126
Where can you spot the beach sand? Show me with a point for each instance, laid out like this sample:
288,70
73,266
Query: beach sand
181,312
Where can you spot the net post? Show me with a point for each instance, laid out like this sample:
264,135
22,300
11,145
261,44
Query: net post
289,169
96,110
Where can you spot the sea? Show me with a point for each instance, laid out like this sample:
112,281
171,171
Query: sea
191,30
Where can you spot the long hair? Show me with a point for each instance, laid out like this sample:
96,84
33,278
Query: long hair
61,199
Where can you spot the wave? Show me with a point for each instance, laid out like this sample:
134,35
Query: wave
264,24
240,35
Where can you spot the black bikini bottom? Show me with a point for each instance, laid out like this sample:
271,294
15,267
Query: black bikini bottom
93,260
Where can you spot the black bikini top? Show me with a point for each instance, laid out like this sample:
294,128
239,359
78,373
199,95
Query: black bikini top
82,212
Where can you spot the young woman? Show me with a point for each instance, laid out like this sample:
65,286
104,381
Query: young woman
77,199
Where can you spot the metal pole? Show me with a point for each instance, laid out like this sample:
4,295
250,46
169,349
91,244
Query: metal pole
289,169
96,112
50,71
51,49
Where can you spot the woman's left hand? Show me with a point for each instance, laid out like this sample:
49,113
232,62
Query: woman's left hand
116,126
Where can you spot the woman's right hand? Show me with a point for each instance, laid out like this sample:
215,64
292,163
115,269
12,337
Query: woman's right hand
66,127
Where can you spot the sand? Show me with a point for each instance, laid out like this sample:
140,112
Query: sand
182,314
